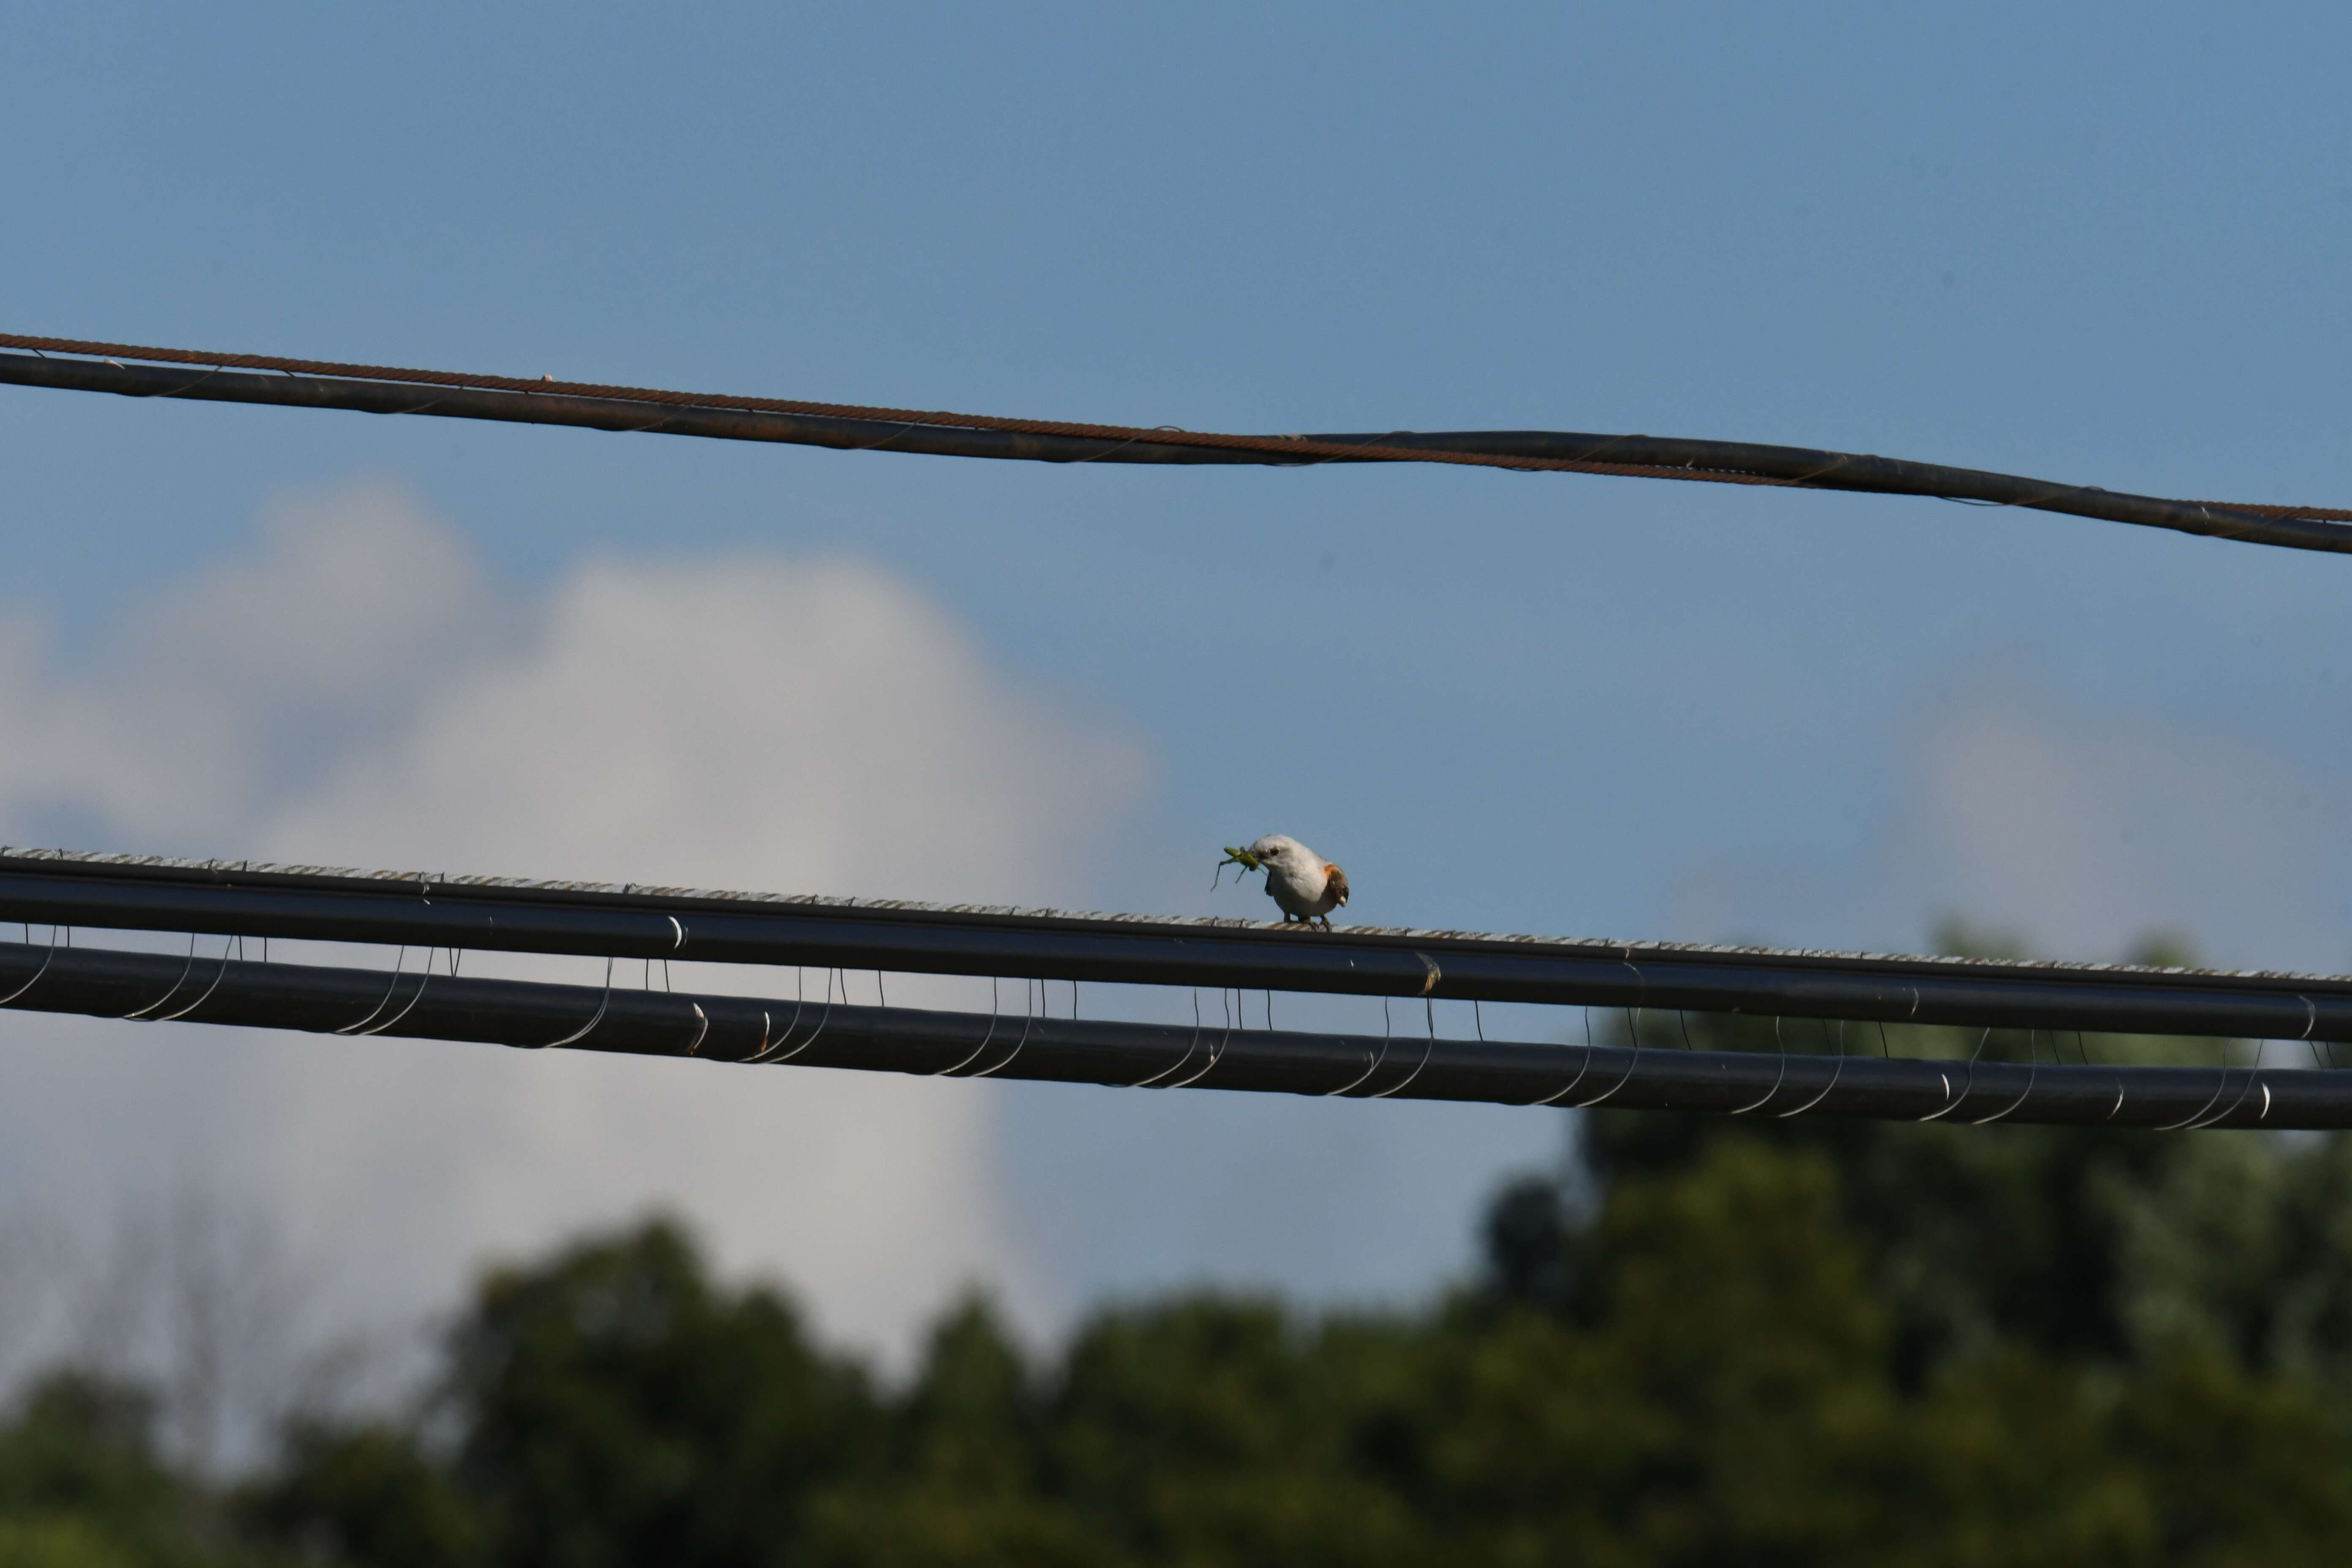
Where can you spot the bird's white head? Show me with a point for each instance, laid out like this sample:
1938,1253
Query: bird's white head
1282,850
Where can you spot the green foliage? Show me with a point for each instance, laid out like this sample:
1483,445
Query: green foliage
961,1478
59,1541
1211,1430
1786,1341
367,1493
81,1485
1750,1341
619,1408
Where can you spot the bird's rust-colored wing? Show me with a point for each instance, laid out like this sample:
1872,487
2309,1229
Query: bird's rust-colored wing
1338,882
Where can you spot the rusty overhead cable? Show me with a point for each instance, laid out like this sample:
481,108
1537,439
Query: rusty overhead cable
269,379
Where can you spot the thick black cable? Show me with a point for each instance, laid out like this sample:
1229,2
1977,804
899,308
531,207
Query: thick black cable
479,914
735,1029
376,389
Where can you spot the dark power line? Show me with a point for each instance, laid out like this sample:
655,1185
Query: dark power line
56,889
1218,1053
384,389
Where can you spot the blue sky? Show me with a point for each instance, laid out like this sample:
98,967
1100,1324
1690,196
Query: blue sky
2096,243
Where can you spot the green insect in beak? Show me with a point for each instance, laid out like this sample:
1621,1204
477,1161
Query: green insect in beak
1241,857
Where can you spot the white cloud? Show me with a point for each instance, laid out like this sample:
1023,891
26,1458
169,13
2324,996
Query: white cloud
2085,831
357,693
214,703
745,724
2082,830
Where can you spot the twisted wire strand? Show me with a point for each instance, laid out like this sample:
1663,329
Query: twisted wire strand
1294,450
1296,447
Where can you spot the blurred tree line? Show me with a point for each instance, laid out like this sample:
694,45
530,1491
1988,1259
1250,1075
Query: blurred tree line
1705,1340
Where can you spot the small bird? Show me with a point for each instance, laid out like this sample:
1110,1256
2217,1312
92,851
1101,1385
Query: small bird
1304,885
